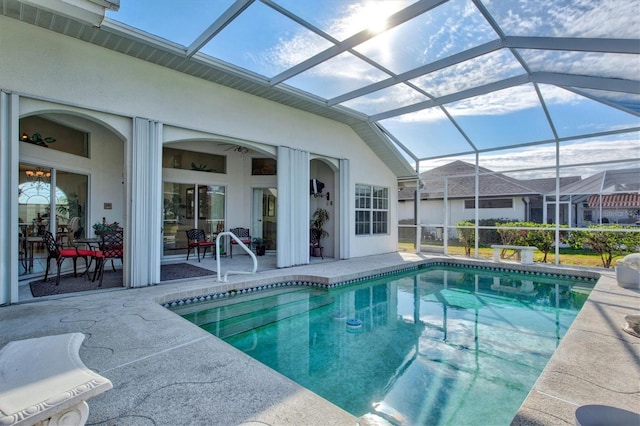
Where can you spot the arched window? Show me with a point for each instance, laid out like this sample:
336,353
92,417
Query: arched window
39,193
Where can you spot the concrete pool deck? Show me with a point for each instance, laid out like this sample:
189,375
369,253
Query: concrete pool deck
166,371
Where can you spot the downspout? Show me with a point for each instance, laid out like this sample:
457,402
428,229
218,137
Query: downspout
527,212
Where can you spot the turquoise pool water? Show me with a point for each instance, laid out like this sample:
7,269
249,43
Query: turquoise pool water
442,345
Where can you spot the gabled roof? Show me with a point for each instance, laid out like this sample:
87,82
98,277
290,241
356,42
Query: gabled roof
606,182
546,185
464,186
461,183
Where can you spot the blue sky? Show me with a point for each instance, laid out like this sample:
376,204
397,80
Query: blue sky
266,42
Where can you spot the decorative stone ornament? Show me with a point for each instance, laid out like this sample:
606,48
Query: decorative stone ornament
44,382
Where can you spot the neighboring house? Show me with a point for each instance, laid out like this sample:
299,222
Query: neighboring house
611,196
500,196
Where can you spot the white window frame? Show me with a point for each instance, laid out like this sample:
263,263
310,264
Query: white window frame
373,202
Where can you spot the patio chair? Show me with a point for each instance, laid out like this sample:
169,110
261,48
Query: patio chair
74,230
111,247
196,239
243,235
57,252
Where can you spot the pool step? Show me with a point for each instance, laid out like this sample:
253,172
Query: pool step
202,314
235,319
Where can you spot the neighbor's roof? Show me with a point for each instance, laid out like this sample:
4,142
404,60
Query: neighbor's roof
614,200
436,78
606,182
461,183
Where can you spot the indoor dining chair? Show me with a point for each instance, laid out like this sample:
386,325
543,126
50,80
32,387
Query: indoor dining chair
196,239
111,248
59,253
243,235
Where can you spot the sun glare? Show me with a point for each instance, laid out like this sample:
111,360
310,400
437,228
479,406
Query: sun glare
373,15
378,25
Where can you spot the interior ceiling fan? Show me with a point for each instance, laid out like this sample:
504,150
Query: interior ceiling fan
237,148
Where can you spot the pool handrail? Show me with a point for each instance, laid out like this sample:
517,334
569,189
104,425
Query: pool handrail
244,247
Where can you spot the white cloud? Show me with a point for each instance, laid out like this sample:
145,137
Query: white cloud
584,63
488,68
603,18
392,97
568,18
542,158
497,103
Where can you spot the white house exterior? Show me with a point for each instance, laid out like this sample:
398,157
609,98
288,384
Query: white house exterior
611,196
499,197
131,108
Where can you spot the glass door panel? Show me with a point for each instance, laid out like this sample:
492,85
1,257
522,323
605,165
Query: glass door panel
177,216
34,206
34,199
71,206
265,216
212,202
59,209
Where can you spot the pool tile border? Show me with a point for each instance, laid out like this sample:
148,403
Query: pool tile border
229,290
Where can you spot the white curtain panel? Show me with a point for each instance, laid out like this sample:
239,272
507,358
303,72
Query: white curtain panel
346,198
293,207
9,149
142,265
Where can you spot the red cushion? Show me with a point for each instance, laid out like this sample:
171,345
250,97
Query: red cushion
206,243
84,252
112,253
194,244
68,252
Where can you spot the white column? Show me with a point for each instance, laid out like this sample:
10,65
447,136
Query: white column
143,231
293,207
9,155
344,206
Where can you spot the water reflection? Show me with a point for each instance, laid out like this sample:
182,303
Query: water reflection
439,346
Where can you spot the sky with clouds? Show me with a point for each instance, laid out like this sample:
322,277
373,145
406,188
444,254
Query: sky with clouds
266,42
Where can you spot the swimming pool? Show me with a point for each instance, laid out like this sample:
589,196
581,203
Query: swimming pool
441,345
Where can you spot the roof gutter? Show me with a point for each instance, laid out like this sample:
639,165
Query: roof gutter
89,12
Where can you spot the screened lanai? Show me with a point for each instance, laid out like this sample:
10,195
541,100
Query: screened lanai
533,91
540,93
434,78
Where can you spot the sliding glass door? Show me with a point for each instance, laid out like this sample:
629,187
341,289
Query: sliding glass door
265,216
48,200
188,206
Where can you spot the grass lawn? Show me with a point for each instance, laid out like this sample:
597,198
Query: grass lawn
567,256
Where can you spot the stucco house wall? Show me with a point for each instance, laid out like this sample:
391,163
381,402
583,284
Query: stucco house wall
432,212
55,73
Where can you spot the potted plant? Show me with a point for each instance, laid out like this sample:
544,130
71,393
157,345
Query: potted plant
261,246
317,231
99,228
